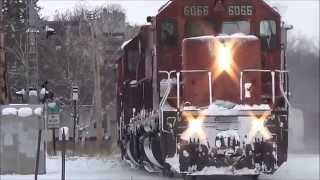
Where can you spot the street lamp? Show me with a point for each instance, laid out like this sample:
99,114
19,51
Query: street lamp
92,16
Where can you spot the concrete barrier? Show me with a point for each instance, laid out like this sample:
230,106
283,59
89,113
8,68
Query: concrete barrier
19,127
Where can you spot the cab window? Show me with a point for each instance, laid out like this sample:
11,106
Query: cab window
168,36
133,59
232,27
268,34
195,28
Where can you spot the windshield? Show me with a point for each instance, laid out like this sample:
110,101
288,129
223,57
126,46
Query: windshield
232,27
195,28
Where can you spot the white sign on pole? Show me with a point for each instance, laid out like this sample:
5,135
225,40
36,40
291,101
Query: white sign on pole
53,121
75,93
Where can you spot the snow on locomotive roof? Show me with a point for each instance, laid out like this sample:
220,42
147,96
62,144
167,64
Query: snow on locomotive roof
202,37
236,35
164,6
125,43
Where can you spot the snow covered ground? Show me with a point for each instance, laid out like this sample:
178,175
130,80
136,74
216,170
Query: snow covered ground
299,167
89,168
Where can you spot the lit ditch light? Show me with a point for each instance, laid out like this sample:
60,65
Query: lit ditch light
258,126
193,156
195,127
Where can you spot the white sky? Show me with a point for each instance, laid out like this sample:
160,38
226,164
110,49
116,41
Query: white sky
303,14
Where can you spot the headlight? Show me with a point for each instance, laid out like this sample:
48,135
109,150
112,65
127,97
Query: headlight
195,127
224,58
258,126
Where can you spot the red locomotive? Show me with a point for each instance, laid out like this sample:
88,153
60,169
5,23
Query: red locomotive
203,89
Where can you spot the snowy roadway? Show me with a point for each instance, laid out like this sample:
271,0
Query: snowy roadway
299,167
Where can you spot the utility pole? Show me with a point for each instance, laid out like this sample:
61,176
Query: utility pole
92,17
3,64
32,46
75,99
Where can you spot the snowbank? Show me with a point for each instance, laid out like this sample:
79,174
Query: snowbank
25,112
38,111
33,93
9,111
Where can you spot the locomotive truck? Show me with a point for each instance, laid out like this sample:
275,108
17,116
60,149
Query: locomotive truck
203,89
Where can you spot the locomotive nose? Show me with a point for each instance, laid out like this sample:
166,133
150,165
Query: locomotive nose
226,57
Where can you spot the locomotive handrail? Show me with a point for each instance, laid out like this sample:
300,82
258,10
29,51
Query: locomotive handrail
140,81
194,71
209,81
264,70
165,97
272,72
168,89
285,95
168,73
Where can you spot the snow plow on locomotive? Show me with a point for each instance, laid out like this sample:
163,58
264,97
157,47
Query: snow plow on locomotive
203,90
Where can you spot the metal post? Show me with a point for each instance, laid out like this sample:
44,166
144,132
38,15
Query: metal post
178,90
97,86
210,86
32,73
241,79
75,99
38,155
273,87
63,154
54,140
74,122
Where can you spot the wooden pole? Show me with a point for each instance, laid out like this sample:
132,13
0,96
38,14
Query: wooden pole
54,140
63,154
38,156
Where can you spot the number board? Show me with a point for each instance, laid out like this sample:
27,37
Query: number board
196,10
240,10
53,121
